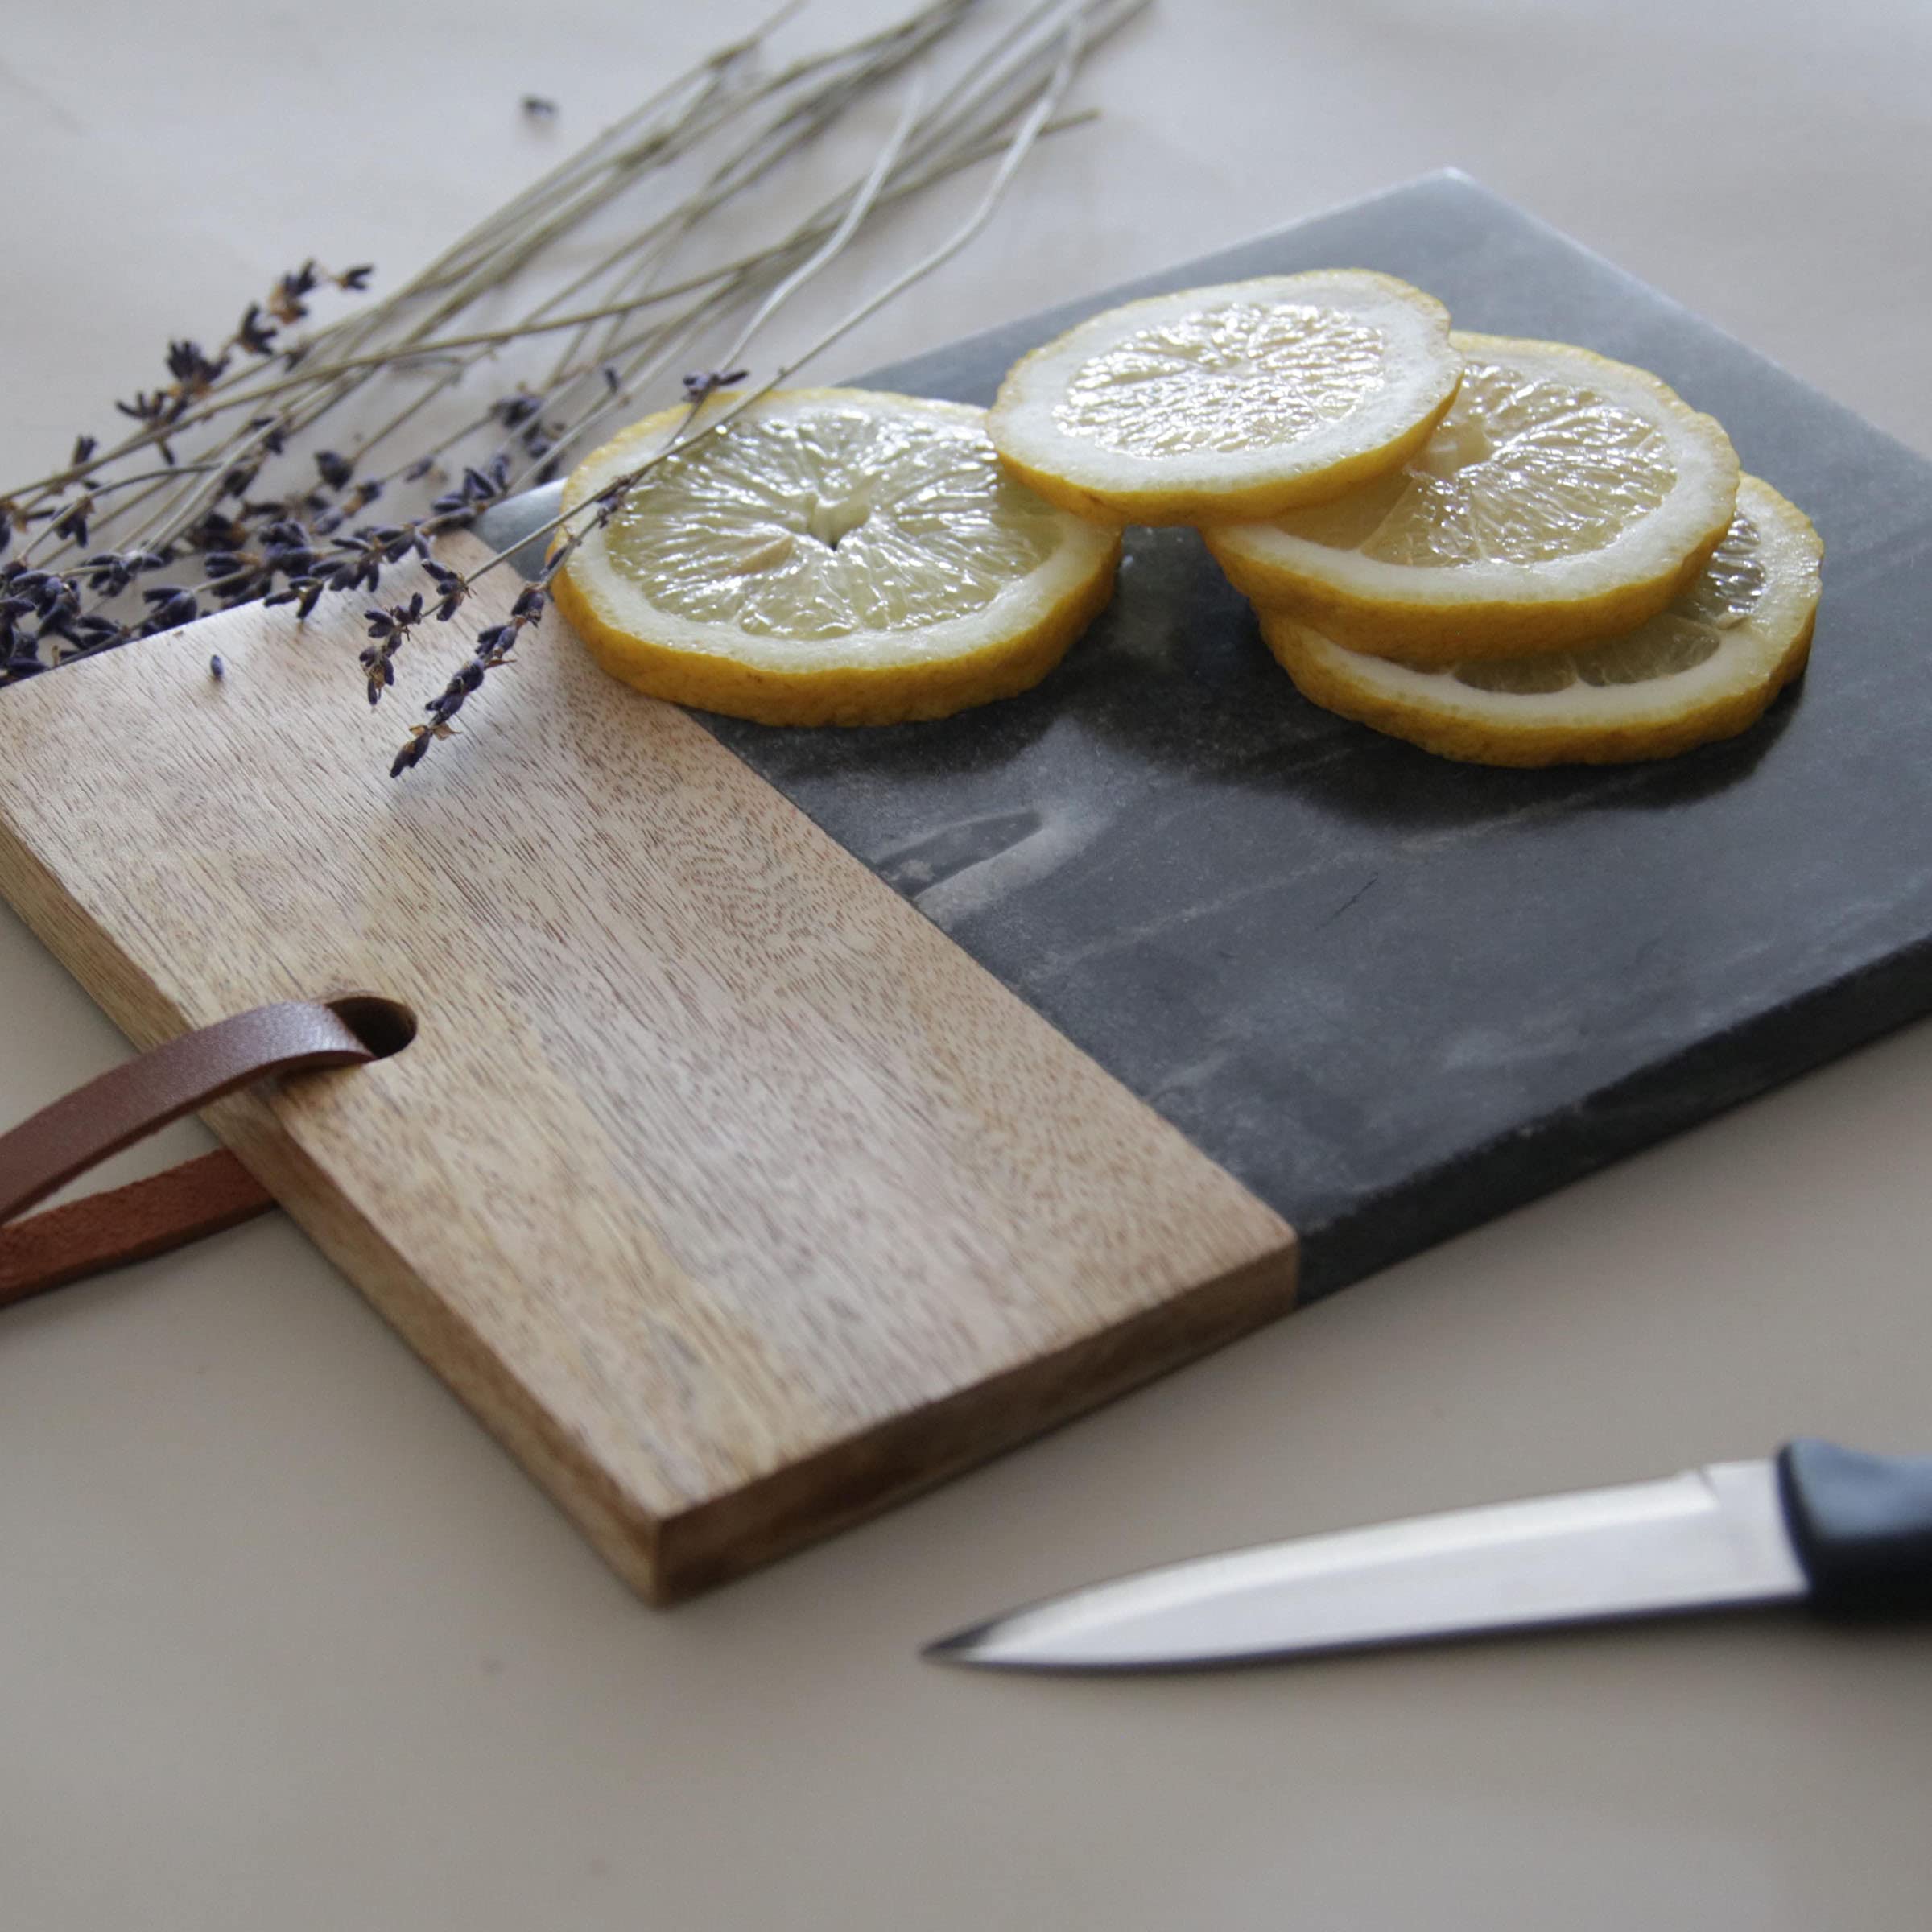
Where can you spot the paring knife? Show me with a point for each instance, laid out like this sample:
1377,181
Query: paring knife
1847,1535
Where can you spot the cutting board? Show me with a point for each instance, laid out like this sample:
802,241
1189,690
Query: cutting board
794,1117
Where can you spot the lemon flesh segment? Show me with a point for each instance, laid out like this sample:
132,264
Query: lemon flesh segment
832,556
1239,400
1705,668
1563,497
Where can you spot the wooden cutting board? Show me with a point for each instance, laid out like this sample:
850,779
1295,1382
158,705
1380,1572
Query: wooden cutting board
796,1117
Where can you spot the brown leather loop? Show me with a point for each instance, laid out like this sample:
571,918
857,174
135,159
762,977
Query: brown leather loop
123,1224
122,1106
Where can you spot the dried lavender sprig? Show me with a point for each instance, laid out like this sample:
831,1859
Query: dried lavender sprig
938,12
427,280
639,372
621,393
1106,20
898,43
862,200
959,95
547,188
450,377
699,388
878,58
500,335
312,408
196,374
473,249
496,338
871,57
181,507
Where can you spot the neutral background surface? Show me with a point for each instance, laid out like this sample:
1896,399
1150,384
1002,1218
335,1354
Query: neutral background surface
285,1641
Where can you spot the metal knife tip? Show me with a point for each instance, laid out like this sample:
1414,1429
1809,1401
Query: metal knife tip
1013,1642
966,1646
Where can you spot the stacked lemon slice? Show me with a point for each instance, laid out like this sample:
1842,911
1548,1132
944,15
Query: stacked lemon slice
1554,560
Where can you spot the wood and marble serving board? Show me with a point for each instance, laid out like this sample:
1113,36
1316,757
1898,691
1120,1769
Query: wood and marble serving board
796,1117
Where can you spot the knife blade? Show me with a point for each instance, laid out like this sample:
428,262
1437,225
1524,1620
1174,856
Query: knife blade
1846,1533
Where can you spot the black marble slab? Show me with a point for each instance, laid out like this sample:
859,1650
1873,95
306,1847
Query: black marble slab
1395,995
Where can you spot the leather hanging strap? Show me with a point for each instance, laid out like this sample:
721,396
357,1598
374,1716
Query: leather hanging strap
124,1105
124,1225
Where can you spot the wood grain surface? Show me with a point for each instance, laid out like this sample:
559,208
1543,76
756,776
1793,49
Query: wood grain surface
731,1195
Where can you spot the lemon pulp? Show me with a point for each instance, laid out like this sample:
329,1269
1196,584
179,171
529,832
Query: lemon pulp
1524,469
1242,376
828,525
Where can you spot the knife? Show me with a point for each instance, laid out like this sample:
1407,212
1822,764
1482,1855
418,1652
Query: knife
1849,1535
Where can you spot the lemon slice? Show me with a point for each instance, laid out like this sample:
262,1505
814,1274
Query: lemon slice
1240,400
832,556
1565,496
1703,668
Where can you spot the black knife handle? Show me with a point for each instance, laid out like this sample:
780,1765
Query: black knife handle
1862,1525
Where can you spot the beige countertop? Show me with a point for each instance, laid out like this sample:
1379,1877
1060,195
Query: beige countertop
286,1643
